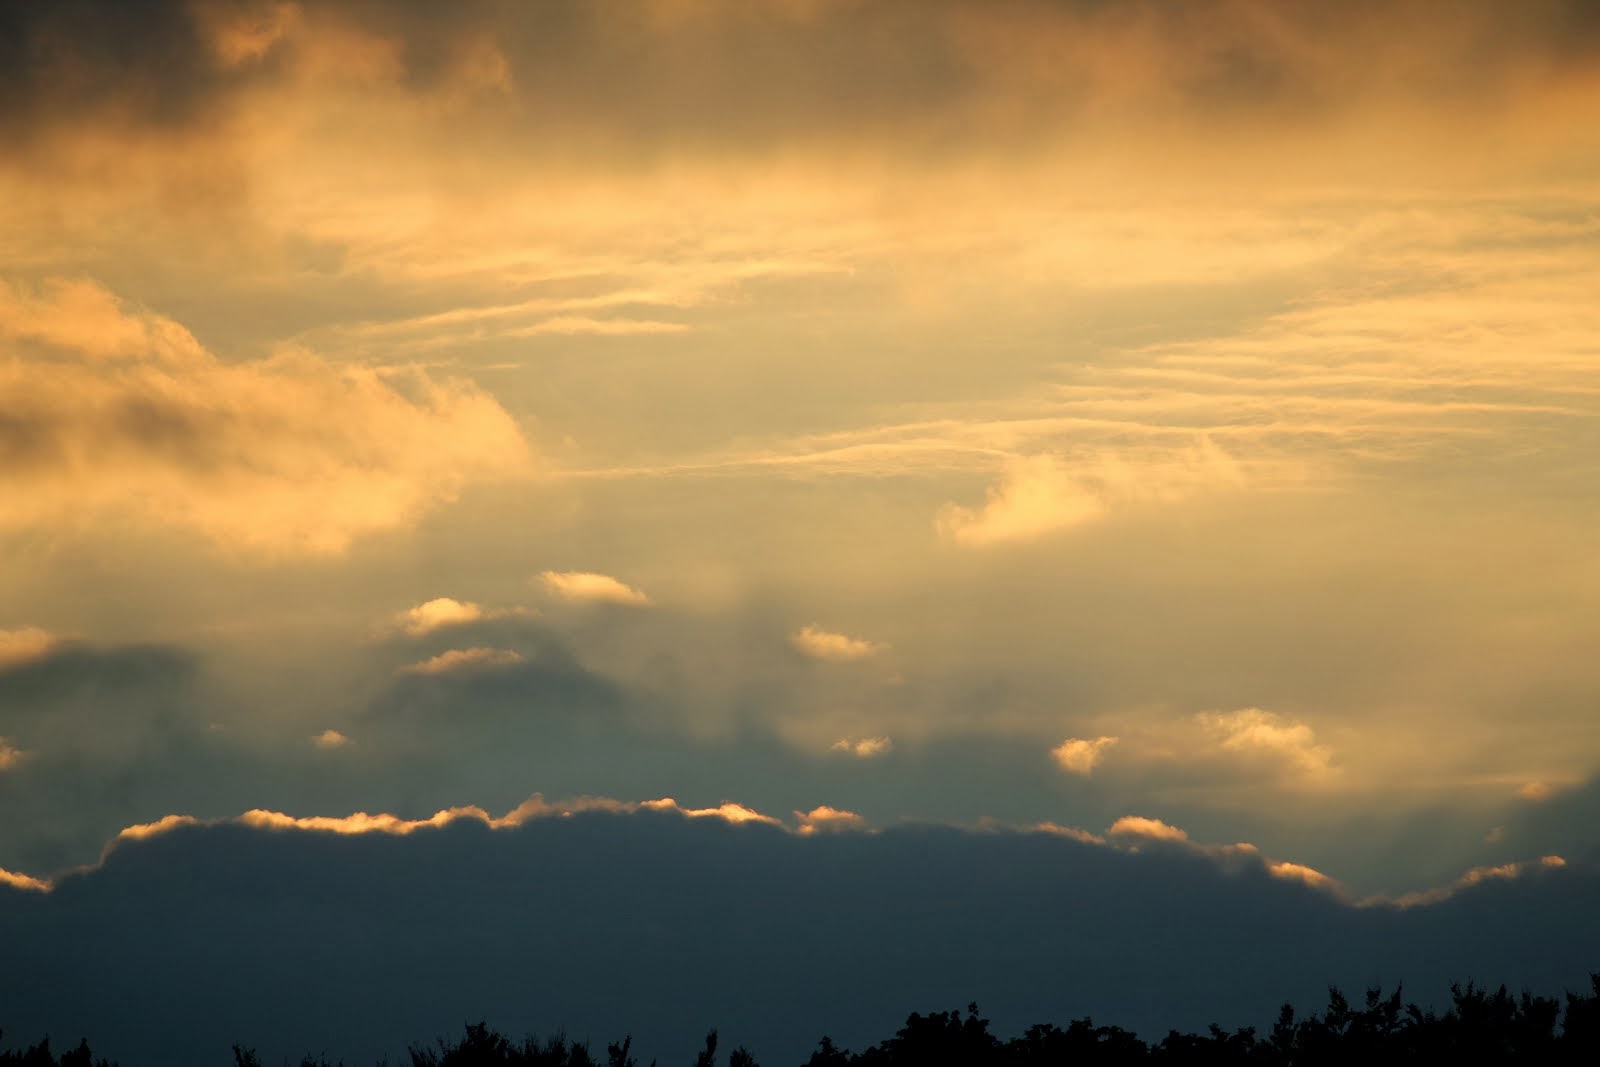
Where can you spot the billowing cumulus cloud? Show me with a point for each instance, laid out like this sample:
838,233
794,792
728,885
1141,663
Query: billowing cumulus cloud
836,647
463,659
114,413
588,586
1077,755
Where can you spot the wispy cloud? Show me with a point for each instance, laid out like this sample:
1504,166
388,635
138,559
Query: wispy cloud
463,659
863,747
1253,732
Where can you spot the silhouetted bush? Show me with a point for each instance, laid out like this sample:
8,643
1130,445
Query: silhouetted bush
1479,1027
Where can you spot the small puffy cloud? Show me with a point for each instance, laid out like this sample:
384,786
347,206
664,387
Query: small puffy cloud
863,747
330,739
444,611
10,755
436,613
25,644
835,647
588,586
1152,829
457,659
1079,756
823,819
1254,732
1536,791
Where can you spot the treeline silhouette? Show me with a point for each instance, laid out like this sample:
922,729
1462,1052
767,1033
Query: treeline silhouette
1479,1027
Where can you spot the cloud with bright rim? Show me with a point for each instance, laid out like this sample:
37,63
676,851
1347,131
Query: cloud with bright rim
1077,755
589,587
454,660
833,647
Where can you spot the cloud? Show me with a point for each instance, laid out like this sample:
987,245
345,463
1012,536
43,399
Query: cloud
1079,756
330,739
1045,494
588,586
437,613
835,647
1535,791
863,747
1139,826
854,927
823,819
113,412
23,881
10,755
1254,732
442,612
1040,495
24,645
459,659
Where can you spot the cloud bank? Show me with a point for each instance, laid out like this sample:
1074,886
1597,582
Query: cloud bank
524,918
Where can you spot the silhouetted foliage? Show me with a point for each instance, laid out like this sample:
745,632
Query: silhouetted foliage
1480,1027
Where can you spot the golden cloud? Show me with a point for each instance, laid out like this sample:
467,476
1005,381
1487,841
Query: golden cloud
836,647
1254,732
25,644
863,747
330,739
591,587
112,412
460,659
1140,826
1079,756
823,819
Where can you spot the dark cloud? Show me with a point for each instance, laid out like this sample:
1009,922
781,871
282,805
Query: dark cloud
713,73
663,925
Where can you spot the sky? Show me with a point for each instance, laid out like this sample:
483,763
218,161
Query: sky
1130,423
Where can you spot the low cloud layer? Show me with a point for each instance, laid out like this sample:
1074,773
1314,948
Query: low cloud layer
1181,936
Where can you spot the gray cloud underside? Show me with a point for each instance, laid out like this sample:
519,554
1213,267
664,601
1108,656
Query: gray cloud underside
714,73
665,925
